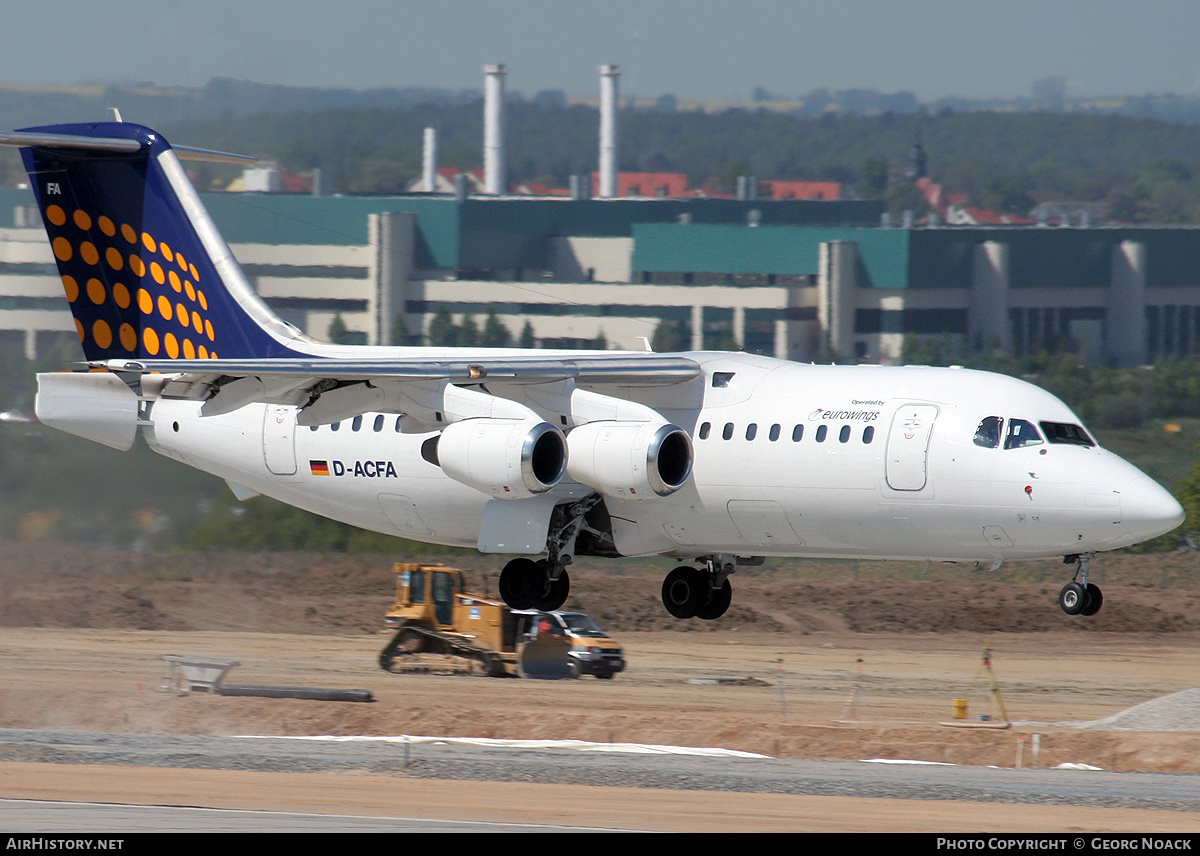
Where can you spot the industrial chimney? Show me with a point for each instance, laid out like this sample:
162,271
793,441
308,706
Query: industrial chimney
493,129
429,162
608,129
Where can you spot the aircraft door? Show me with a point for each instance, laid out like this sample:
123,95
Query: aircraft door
908,446
279,441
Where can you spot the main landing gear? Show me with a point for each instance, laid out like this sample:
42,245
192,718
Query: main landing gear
700,592
1079,597
544,584
526,584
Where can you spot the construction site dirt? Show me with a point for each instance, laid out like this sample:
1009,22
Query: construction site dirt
842,669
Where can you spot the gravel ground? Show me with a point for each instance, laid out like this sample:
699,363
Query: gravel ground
437,759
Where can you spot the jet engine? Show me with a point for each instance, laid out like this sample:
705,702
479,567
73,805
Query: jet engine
630,460
504,458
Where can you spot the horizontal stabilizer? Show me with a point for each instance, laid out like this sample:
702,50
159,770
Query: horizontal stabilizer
69,141
188,153
25,139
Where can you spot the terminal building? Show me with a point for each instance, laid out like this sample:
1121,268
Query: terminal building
796,279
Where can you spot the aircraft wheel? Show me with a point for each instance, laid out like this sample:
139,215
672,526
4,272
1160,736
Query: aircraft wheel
715,608
1094,600
683,592
556,595
1073,598
522,583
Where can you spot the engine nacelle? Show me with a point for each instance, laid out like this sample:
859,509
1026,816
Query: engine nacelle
630,460
504,458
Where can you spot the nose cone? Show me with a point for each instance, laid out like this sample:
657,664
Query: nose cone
1148,510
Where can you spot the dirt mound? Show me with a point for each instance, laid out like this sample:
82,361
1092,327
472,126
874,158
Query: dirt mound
1175,712
59,585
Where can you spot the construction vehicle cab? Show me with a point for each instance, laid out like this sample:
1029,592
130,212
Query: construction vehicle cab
425,593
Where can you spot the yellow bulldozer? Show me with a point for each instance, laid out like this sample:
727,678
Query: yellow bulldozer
441,627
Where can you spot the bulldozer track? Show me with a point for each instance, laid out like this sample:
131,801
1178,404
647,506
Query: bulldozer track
417,649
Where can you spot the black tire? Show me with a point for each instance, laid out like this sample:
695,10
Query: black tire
717,604
556,595
683,592
604,676
522,583
1073,598
1095,600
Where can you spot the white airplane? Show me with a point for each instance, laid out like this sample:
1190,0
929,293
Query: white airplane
721,459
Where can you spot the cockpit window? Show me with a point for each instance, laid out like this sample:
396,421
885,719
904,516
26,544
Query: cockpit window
1021,434
1065,432
987,434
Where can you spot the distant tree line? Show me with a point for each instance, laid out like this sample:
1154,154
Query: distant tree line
466,333
1141,170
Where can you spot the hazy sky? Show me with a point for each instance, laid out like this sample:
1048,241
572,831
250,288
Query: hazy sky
691,48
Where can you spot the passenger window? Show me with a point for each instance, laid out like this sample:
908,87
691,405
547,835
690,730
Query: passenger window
313,427
728,432
398,428
356,423
1021,434
987,434
751,430
822,430
844,434
704,430
335,426
1066,433
797,433
868,434
774,434
378,423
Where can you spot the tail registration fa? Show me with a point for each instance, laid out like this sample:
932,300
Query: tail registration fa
716,459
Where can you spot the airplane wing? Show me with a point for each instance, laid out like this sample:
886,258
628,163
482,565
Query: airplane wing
363,384
625,369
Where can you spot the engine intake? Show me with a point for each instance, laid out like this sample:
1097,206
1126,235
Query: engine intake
504,458
630,460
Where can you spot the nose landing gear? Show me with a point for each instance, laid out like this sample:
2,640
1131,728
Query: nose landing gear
1079,597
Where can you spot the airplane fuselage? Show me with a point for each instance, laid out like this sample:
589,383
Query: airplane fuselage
789,460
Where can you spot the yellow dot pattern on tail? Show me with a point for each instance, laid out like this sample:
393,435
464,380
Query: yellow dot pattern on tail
145,296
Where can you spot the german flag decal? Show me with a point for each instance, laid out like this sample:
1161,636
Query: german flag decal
319,468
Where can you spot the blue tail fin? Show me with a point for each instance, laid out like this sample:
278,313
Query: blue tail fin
145,270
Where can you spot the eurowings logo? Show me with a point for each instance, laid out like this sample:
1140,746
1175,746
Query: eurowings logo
826,415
